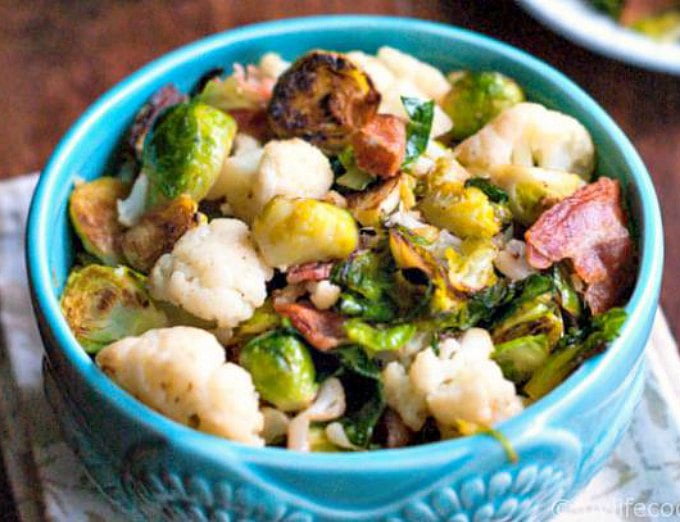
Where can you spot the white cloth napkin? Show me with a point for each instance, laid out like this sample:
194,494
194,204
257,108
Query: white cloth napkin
640,481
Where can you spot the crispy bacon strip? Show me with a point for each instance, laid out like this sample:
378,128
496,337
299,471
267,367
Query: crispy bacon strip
392,431
314,271
380,145
321,328
589,228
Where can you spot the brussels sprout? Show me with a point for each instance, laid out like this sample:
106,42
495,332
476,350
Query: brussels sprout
420,115
471,269
158,230
185,151
375,339
610,7
322,98
104,304
92,208
476,98
282,369
295,231
573,349
533,190
521,357
566,294
465,211
531,315
349,174
371,206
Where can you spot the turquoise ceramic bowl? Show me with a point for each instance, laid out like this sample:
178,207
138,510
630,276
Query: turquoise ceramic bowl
154,468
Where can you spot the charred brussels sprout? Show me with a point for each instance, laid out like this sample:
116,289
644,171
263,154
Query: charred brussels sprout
157,232
104,304
375,339
282,370
185,151
92,208
322,98
470,268
476,98
531,191
529,329
296,231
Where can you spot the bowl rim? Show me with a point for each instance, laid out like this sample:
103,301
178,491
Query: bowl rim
643,299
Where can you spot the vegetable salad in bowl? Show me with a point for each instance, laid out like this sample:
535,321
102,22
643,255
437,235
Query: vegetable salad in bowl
348,252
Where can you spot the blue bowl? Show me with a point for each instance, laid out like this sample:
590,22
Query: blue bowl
157,469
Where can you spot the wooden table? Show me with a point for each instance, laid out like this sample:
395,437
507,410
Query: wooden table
59,55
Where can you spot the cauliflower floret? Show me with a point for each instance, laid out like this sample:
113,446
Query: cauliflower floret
425,77
323,294
272,65
462,383
378,72
181,372
512,262
213,272
236,179
291,168
530,135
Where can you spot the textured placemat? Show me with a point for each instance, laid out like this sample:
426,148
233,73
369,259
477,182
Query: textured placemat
640,481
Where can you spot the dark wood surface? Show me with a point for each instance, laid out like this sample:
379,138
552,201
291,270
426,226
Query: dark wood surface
57,56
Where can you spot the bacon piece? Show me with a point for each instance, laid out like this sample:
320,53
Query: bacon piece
314,271
323,329
589,228
253,122
162,99
380,145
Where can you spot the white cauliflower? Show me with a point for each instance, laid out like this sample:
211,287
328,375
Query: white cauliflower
132,208
378,72
323,294
529,135
181,372
511,261
291,168
462,384
428,79
214,273
272,65
237,177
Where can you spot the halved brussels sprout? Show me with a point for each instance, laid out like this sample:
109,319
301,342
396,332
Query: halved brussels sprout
158,230
103,304
295,231
185,151
371,206
533,190
476,98
92,208
322,98
318,440
282,370
471,269
465,211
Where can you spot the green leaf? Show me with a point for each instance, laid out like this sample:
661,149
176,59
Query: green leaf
519,358
374,339
421,114
353,177
354,305
493,192
366,273
566,294
360,376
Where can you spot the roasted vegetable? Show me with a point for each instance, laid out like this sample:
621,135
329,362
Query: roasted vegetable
323,97
350,176
476,98
574,348
375,339
567,296
470,269
158,230
92,208
293,231
664,27
466,212
104,304
185,151
371,206
519,358
282,369
532,191
610,7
